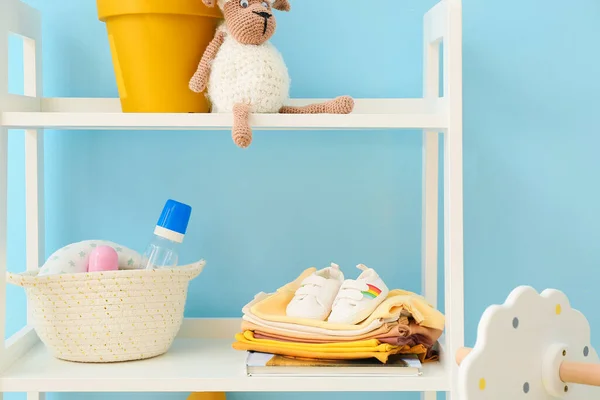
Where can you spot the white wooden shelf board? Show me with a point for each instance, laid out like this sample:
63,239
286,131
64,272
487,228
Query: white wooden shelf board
106,114
194,363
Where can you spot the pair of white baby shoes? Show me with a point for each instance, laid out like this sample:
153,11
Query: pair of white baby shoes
325,295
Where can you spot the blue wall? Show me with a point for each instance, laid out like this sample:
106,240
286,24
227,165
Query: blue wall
297,199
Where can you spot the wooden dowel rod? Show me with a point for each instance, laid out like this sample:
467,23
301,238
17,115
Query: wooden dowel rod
570,372
583,373
461,354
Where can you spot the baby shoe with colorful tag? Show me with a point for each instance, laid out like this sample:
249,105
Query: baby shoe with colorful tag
314,297
358,298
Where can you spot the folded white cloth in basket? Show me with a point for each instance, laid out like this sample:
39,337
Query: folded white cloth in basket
74,257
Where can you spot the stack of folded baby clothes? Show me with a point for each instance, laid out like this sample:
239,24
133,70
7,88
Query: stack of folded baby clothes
321,315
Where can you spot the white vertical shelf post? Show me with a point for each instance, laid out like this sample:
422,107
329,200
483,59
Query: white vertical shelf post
34,170
34,160
21,19
34,200
34,211
430,178
3,228
453,191
429,241
3,185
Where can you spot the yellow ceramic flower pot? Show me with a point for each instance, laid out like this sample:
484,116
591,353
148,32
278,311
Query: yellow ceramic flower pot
156,46
207,396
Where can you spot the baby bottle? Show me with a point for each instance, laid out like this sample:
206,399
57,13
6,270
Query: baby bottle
163,252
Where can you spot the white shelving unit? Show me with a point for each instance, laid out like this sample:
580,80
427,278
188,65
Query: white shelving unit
202,358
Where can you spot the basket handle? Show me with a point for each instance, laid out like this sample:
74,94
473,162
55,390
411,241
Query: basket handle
195,268
26,279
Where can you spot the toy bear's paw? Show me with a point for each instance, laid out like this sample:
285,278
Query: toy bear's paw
242,136
241,132
340,105
198,82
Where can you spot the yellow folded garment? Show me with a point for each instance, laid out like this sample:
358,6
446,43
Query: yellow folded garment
327,351
273,308
339,347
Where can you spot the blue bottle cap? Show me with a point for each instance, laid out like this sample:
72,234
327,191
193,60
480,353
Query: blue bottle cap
174,218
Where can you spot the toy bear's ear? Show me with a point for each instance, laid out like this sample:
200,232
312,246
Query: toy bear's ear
209,3
282,5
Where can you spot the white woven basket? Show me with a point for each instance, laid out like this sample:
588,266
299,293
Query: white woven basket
108,316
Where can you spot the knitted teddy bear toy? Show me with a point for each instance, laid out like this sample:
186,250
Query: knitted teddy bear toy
244,73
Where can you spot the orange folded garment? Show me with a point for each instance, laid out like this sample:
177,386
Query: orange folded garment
276,333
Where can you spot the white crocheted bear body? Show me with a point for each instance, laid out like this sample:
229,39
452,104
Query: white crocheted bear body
248,74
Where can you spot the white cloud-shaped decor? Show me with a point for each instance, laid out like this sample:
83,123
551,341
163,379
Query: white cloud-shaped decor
520,346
